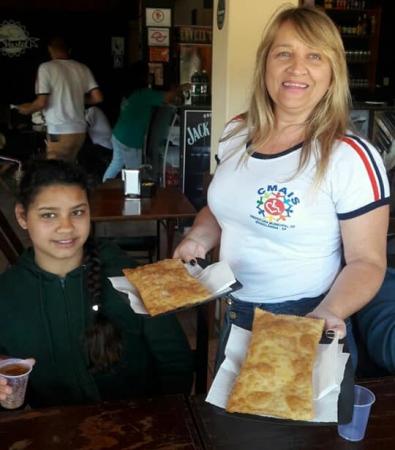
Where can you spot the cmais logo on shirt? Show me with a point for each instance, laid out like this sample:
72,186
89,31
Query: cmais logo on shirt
275,205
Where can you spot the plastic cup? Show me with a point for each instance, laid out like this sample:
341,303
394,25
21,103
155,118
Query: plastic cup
355,430
16,371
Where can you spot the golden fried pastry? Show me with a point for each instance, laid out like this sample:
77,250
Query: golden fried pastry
276,376
166,285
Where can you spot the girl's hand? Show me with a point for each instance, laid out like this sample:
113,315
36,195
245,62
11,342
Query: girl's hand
332,322
189,250
6,390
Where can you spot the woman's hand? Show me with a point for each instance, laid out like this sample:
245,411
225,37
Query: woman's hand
6,390
332,322
204,235
189,250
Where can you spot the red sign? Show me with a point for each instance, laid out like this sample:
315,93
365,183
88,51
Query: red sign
159,54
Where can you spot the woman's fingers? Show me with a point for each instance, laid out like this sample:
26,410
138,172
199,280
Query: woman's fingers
189,250
334,326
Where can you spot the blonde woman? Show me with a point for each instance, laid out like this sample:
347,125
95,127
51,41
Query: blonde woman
294,189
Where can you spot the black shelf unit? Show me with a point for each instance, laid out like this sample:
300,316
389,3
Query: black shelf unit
360,31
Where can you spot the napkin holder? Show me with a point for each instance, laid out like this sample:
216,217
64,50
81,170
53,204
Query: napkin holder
131,179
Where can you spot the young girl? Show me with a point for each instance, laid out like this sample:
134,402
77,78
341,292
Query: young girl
57,305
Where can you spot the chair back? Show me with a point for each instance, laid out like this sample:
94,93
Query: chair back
157,139
10,244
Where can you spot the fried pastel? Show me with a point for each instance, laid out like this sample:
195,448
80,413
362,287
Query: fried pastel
166,285
276,378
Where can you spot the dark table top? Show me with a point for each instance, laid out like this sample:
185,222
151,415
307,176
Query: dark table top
163,423
177,423
108,202
220,430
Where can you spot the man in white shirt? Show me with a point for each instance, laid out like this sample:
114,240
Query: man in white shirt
63,88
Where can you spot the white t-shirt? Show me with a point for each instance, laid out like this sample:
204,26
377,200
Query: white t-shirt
280,234
99,128
66,81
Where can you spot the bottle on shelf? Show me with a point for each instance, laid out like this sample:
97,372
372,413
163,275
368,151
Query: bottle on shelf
372,24
200,88
195,88
359,26
365,25
205,88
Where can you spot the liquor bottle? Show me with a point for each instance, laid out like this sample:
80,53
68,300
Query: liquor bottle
195,88
359,26
365,28
205,88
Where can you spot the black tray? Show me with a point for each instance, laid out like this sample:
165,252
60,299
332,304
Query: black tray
344,404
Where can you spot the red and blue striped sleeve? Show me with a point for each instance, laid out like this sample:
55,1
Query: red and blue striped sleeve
360,180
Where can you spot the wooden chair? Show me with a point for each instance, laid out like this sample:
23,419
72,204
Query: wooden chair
10,244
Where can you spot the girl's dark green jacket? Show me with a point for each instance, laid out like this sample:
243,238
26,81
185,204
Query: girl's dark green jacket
45,317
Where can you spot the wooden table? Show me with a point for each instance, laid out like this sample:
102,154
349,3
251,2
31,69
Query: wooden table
220,431
175,422
163,423
108,203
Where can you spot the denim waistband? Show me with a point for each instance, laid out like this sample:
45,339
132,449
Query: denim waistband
298,307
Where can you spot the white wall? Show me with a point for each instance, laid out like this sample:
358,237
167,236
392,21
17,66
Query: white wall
234,49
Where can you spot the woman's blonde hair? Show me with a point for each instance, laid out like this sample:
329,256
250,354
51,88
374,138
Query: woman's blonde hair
329,119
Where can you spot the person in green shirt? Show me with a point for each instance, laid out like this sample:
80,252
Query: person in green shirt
129,131
58,306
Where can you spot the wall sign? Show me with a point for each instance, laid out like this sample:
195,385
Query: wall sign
155,17
220,14
194,35
158,37
195,153
15,39
159,54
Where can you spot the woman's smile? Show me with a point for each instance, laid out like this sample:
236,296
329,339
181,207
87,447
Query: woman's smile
297,76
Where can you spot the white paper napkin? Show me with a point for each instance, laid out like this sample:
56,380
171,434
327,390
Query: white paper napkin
217,278
328,374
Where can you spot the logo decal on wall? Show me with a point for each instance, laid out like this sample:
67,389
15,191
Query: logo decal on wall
155,17
14,39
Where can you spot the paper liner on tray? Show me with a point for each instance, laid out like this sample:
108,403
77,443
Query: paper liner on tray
328,374
218,278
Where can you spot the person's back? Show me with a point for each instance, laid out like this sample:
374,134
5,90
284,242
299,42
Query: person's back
63,87
67,81
135,115
129,131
